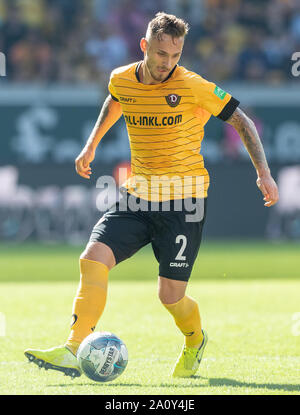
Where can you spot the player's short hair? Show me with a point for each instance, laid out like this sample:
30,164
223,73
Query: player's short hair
168,24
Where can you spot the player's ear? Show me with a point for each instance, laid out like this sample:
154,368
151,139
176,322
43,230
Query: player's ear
143,44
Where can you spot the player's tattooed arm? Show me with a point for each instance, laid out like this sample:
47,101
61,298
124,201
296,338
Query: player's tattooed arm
249,135
110,113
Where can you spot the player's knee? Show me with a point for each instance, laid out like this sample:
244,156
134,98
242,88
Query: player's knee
170,292
166,298
169,298
98,251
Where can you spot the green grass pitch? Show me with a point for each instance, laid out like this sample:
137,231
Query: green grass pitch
248,293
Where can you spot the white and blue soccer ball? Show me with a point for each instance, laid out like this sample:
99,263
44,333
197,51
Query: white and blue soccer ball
102,356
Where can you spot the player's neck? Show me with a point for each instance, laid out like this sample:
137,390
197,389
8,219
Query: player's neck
145,76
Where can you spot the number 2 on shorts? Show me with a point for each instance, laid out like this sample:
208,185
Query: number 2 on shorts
181,238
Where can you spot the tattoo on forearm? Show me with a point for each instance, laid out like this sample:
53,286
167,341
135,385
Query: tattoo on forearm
103,112
102,116
249,135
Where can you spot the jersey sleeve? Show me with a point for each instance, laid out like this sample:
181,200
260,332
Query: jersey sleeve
111,87
213,99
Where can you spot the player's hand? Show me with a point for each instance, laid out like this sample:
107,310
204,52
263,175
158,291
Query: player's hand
268,187
82,162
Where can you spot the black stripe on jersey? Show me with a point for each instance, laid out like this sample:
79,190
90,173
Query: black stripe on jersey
144,166
171,154
154,104
131,87
153,96
229,109
126,79
170,171
166,148
155,89
144,195
152,189
114,98
172,89
172,132
133,80
168,141
162,134
201,167
167,166
174,179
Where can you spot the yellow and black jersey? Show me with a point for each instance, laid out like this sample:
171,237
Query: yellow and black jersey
165,124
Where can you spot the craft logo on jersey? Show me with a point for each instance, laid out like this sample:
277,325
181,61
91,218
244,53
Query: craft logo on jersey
173,100
127,100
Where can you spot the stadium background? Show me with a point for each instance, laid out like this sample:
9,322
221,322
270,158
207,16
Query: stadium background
59,54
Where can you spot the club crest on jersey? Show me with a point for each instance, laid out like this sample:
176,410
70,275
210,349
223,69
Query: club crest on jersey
173,100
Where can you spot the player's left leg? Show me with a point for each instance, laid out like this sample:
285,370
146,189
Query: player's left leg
176,241
183,308
185,312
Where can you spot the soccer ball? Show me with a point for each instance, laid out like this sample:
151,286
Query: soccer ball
102,356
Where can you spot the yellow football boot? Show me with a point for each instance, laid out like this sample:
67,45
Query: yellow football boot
58,358
189,360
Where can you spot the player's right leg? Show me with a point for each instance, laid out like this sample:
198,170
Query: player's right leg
116,237
89,303
95,263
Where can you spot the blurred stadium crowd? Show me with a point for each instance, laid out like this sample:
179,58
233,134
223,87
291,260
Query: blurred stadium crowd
83,40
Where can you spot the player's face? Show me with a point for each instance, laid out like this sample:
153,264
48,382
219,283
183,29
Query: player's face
160,56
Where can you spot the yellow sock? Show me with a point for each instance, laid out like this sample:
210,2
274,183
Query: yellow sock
187,319
89,302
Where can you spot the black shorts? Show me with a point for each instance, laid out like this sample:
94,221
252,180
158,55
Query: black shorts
174,229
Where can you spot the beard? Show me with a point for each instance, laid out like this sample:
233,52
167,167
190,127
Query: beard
159,77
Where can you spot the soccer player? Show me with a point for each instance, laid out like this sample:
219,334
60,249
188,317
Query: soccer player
165,107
